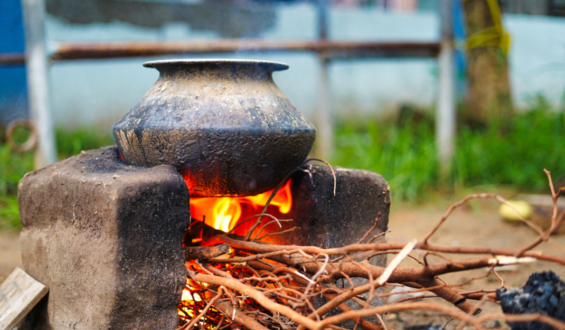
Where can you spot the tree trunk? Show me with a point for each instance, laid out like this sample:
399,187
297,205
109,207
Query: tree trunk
489,96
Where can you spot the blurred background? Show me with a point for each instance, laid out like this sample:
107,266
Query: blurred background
441,97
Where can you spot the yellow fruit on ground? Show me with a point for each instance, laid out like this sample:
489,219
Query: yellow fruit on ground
511,213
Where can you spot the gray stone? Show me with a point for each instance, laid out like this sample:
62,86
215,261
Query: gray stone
106,238
333,221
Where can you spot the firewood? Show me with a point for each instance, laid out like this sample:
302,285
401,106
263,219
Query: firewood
205,252
275,284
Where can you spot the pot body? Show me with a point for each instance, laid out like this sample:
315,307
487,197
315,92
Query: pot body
223,124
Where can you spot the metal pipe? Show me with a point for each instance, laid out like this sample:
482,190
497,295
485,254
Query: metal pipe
338,48
445,119
38,88
322,6
323,116
12,59
330,49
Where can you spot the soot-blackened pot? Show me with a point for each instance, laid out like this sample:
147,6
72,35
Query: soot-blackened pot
223,124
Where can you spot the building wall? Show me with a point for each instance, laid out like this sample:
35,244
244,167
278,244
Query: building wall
86,92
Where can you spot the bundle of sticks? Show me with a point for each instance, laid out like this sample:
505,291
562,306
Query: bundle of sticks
243,283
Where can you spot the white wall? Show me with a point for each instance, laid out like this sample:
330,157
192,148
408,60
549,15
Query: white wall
92,91
537,57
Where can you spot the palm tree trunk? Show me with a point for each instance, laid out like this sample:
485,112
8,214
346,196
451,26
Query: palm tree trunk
489,97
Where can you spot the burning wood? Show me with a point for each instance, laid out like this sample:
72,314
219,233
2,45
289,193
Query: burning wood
205,252
262,286
224,213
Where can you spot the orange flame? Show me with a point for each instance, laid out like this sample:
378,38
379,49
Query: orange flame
223,213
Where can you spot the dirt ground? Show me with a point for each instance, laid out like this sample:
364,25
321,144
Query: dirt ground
474,225
9,253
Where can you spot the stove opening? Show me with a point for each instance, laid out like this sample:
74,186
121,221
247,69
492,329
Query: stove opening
225,213
237,216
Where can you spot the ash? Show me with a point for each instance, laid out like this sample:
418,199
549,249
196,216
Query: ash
543,293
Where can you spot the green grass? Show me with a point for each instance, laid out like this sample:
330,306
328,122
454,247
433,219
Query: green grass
517,158
72,142
14,165
9,217
406,156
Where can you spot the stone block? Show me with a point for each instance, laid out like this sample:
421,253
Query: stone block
329,221
106,238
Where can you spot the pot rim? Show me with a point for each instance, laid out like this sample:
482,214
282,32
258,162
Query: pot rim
269,65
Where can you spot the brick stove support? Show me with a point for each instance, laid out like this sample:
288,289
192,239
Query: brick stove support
333,221
105,237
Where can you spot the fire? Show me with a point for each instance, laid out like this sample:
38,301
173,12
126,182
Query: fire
223,213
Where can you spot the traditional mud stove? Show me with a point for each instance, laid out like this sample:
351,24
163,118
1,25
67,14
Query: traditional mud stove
206,145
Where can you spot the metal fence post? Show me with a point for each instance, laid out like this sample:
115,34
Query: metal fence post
325,140
324,125
37,80
445,117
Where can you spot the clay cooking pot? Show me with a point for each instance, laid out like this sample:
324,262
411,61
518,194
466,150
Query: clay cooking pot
223,124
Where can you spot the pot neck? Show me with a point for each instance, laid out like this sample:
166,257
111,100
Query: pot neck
226,69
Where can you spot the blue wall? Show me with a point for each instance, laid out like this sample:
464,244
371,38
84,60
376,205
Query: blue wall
13,87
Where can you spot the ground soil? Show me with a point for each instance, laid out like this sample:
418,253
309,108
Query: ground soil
475,225
9,253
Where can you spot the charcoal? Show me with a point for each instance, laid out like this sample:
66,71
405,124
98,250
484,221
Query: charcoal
543,293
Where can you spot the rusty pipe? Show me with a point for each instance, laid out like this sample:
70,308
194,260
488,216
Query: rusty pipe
328,48
12,58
